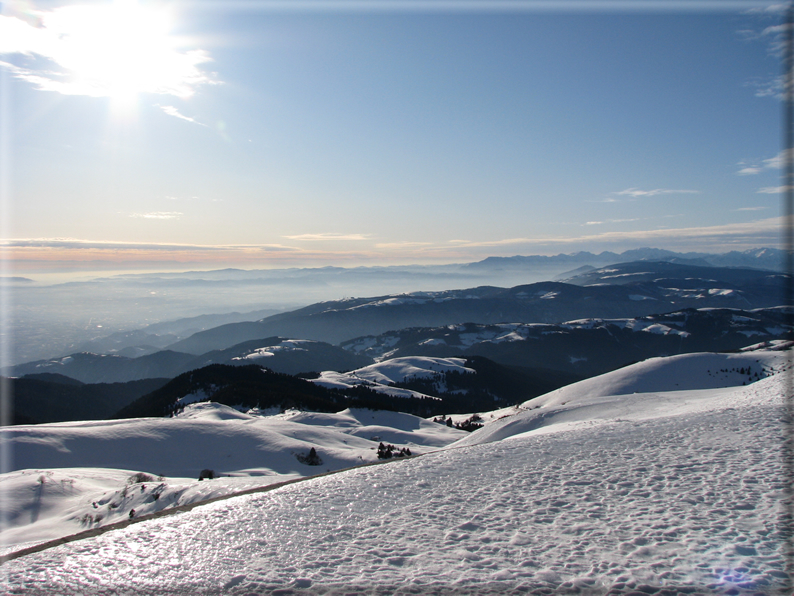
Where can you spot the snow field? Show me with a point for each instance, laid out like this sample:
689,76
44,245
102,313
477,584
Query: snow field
43,505
689,502
288,345
703,370
382,375
604,398
86,466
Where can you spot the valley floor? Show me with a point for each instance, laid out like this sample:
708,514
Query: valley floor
690,502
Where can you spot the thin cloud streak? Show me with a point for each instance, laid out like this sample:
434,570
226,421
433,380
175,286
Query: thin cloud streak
393,245
636,192
328,236
773,190
77,244
773,163
172,111
28,252
764,227
157,215
748,171
611,221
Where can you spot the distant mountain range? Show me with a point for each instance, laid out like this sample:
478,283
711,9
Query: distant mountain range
278,354
674,274
622,290
771,259
585,347
533,337
109,315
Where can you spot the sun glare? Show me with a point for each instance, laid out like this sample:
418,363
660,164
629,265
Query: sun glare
120,50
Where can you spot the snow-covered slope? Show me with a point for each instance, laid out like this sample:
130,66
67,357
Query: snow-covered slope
688,501
664,384
686,371
63,469
382,375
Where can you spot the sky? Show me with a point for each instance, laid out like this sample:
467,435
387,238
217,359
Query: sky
207,134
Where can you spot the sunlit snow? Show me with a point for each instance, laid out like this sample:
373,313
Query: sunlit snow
592,488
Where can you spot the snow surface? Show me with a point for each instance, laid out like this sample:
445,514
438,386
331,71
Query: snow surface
590,489
399,370
288,345
83,463
688,500
382,375
335,380
704,370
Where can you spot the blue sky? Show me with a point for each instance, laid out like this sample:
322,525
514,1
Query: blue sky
265,134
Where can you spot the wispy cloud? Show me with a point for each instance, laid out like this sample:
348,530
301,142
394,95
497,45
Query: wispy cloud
39,253
775,39
776,36
399,245
157,215
79,244
757,233
774,9
750,167
636,193
768,87
502,242
74,254
606,221
751,208
102,50
749,171
172,111
773,190
328,236
611,221
778,161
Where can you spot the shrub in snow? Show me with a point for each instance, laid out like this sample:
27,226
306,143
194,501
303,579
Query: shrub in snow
158,490
89,520
310,459
140,477
208,474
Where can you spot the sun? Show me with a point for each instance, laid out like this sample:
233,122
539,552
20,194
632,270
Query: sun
120,50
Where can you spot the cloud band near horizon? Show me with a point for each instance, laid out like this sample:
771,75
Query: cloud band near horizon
36,252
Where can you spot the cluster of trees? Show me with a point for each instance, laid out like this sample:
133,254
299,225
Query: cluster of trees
174,409
256,387
471,423
389,451
752,376
253,386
